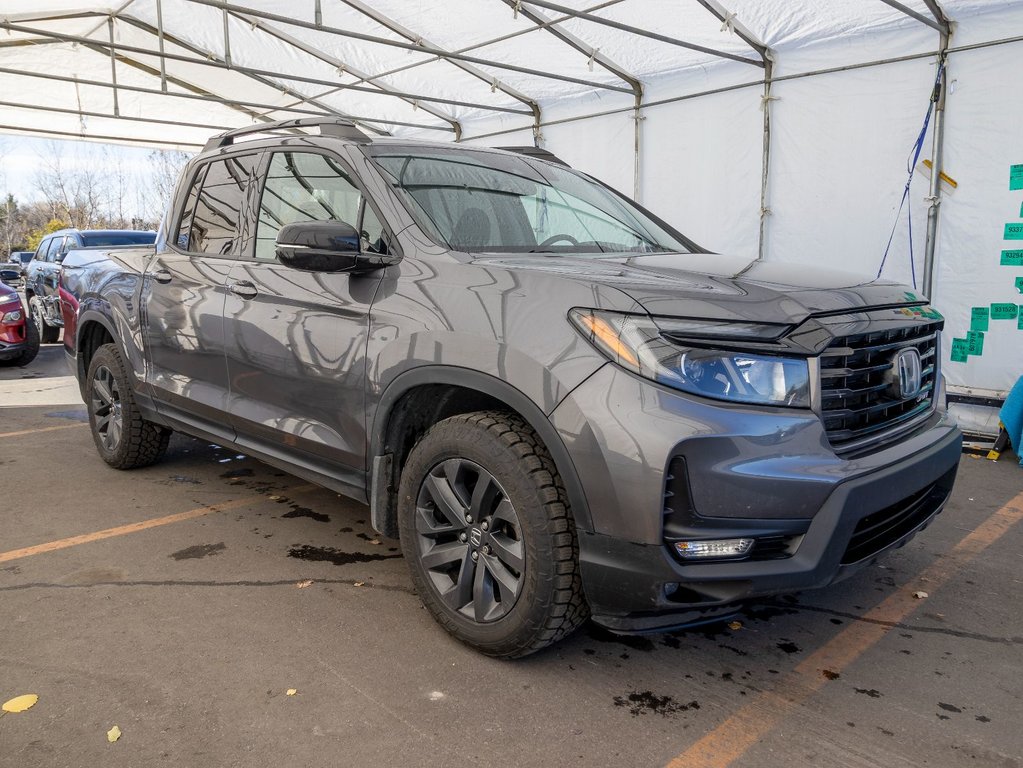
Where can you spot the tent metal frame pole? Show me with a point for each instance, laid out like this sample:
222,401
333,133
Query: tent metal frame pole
227,38
494,83
159,37
495,40
113,66
206,96
210,60
594,57
105,116
584,16
20,129
932,23
743,33
415,47
342,67
937,149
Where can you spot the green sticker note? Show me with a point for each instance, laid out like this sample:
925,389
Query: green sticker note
1019,287
1012,259
974,343
1013,232
1016,177
960,350
1019,321
1004,311
978,318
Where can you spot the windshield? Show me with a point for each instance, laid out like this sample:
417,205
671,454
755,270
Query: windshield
485,202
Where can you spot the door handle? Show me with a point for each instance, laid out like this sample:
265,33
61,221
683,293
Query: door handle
162,276
244,289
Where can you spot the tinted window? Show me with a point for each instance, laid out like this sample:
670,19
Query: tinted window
187,214
303,187
119,238
54,248
218,209
374,236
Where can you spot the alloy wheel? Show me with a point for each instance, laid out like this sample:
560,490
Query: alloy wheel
469,540
106,408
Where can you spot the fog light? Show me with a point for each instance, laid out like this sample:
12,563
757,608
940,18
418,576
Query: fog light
11,317
693,550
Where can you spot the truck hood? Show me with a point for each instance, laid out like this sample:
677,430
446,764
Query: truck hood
715,286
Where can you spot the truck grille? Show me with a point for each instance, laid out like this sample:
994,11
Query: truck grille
857,405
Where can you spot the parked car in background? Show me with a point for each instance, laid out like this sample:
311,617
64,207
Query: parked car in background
560,404
19,339
42,271
20,260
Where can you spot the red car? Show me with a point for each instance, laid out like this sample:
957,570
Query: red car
19,337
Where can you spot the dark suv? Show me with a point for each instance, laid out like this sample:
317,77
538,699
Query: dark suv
42,271
563,406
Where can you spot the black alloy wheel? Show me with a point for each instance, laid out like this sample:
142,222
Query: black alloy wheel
469,540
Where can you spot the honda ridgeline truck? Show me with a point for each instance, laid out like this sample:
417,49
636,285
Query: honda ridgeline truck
561,406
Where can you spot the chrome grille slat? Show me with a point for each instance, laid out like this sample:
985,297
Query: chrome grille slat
856,405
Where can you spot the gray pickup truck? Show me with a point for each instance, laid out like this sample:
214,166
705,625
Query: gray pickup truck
43,269
561,405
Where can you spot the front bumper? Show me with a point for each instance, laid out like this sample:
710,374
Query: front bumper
752,472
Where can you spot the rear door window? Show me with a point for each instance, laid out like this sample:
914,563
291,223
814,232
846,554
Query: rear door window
216,218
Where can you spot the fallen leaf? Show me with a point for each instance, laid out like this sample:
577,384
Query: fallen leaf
20,703
304,584
358,584
735,625
275,498
919,595
291,691
113,734
374,541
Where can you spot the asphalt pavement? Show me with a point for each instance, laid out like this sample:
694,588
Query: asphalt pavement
183,602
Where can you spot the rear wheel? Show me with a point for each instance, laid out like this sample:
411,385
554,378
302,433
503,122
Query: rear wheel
123,438
28,354
48,334
488,536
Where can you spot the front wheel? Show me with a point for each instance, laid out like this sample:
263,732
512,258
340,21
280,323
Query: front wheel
488,536
123,438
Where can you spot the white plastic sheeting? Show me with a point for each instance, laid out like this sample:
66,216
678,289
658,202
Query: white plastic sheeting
842,124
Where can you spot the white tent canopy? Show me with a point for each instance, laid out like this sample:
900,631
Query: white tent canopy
777,128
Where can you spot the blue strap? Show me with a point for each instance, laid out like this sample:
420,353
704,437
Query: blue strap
914,157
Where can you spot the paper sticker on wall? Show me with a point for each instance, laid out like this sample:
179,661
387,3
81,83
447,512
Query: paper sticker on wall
978,318
1012,259
1013,232
974,343
1019,286
1019,321
1004,311
960,350
1016,177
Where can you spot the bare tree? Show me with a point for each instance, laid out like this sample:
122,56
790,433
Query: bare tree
76,192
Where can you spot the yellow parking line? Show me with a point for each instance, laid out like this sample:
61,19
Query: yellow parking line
735,736
120,530
21,432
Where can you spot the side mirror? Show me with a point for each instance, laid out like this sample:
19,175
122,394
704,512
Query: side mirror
9,276
319,246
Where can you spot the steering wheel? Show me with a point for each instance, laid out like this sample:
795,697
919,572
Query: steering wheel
555,238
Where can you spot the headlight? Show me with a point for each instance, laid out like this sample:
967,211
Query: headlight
11,317
641,344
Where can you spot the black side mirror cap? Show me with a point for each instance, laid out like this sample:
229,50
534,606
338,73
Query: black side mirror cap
326,246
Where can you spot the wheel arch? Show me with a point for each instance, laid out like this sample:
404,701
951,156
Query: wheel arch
421,397
93,331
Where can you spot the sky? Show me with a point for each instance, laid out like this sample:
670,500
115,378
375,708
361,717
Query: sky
21,157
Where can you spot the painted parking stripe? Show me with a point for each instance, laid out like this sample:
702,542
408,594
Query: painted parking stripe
735,736
21,432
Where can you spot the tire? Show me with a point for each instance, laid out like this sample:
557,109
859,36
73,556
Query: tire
48,334
31,345
524,590
123,438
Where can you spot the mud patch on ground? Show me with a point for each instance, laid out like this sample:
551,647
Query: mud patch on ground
871,692
233,473
335,556
647,702
198,551
300,511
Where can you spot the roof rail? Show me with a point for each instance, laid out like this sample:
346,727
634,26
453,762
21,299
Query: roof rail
329,126
540,154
